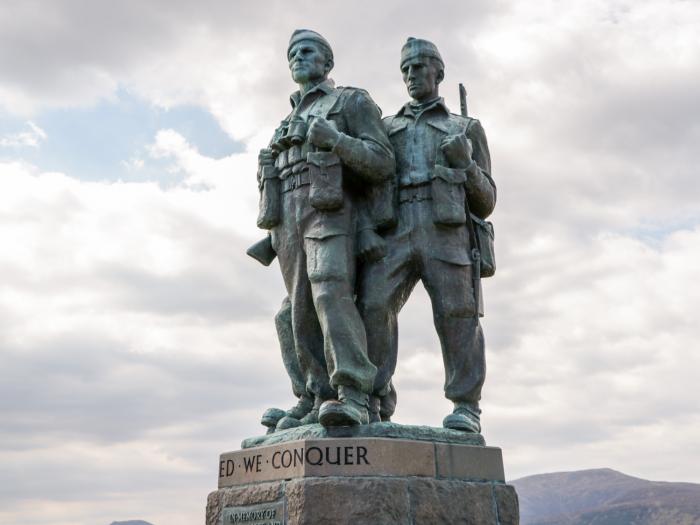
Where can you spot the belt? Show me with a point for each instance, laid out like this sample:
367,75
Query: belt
295,180
415,193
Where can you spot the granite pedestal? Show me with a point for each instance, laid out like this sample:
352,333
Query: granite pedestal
362,477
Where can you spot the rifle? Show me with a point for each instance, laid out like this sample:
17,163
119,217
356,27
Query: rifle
463,100
475,255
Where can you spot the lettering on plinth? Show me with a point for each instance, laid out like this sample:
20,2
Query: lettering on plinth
326,457
317,456
265,514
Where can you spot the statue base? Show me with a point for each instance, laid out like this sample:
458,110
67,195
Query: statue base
373,430
362,480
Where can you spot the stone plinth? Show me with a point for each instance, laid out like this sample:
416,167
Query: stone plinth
364,500
362,480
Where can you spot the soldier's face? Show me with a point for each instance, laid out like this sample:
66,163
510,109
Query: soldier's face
421,78
307,62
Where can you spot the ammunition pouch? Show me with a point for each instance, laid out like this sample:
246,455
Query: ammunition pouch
326,177
293,156
270,198
292,181
484,234
449,194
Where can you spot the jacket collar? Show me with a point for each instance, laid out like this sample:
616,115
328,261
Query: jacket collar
326,87
411,109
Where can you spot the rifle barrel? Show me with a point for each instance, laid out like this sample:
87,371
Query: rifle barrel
463,100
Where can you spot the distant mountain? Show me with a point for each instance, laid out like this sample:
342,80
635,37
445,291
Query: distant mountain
605,497
131,522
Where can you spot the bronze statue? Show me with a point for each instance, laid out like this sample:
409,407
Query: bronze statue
400,201
319,170
358,210
442,174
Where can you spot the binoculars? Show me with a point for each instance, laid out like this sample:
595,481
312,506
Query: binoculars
293,134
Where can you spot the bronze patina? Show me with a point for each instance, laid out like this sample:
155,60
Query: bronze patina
359,210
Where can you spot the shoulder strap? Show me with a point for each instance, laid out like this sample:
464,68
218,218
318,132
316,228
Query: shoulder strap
387,121
324,105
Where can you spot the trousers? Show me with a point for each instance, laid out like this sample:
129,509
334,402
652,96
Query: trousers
285,335
419,250
316,253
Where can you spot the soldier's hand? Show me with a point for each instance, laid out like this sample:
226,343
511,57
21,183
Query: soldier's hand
323,134
370,246
265,157
458,150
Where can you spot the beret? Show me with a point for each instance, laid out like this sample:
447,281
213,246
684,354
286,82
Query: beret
307,34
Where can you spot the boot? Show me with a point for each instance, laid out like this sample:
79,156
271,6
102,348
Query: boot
303,407
387,404
350,409
374,409
308,418
272,416
465,417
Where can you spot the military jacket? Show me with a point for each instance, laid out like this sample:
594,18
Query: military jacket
363,147
416,137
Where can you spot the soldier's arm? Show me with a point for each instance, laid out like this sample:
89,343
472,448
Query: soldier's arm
481,189
365,148
370,246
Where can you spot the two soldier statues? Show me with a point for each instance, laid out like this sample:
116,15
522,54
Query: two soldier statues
359,209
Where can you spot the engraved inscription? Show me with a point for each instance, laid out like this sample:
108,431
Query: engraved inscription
266,514
226,468
294,457
327,457
317,456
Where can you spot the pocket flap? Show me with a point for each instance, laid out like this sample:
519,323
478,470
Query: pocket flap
452,254
439,126
269,172
486,226
322,159
395,128
451,175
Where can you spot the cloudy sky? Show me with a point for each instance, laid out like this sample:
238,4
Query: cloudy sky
136,337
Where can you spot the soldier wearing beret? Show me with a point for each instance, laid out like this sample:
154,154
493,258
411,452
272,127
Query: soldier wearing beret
321,165
442,162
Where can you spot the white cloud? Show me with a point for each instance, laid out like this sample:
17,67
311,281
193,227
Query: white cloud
123,307
585,356
137,336
32,137
233,177
134,163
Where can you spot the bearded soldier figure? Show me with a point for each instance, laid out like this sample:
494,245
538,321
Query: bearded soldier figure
443,172
320,167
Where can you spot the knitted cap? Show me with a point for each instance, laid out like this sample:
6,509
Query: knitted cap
417,47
